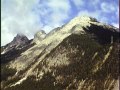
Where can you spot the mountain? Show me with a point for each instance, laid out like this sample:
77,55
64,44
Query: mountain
80,55
39,36
18,41
19,44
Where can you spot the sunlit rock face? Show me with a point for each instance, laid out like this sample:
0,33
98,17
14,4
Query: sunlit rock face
80,55
39,36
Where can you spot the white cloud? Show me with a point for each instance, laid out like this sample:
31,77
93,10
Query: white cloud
95,2
55,14
47,28
17,17
29,16
64,5
78,3
115,24
6,37
107,7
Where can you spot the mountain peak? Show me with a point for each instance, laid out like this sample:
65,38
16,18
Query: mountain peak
19,41
20,35
20,38
83,21
85,18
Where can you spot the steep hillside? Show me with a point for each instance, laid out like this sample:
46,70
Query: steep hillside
81,55
39,36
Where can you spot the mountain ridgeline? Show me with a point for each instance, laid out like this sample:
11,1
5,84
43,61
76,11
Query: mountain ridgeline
81,55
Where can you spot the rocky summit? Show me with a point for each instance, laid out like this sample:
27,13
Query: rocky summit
80,55
18,42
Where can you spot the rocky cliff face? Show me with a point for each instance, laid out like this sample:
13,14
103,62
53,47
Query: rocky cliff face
81,55
39,36
18,42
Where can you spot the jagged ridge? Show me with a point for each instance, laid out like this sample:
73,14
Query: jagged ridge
77,42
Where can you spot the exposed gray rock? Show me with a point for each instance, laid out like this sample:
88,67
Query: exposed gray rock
18,42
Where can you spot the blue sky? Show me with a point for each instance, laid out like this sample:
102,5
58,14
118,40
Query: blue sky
30,16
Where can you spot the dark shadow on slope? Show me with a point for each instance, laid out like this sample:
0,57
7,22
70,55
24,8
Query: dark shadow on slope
81,67
14,53
104,35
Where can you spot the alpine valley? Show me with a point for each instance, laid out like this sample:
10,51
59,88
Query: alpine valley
83,54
